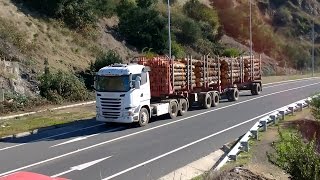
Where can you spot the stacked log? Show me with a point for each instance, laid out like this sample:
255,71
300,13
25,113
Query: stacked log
181,76
230,71
251,66
206,73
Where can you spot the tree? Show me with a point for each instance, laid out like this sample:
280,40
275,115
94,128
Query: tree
144,28
146,3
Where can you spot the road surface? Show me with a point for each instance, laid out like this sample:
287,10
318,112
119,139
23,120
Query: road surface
92,151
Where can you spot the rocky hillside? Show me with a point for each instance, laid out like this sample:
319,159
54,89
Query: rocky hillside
30,33
281,28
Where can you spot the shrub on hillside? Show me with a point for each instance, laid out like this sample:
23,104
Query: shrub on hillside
200,12
231,52
315,107
75,13
177,50
18,102
105,59
60,86
102,60
297,158
143,27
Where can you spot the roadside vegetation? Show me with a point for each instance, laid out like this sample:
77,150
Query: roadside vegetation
288,150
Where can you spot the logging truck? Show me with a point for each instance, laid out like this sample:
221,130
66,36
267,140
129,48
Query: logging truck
156,86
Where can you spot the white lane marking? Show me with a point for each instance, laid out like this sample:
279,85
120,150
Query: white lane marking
284,82
149,129
81,166
86,137
57,135
182,147
290,80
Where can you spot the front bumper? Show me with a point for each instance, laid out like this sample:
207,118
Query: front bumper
127,119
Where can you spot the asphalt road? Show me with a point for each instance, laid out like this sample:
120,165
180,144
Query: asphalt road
92,151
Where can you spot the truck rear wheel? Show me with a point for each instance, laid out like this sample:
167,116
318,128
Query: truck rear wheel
144,117
207,101
183,107
233,94
173,109
215,99
256,88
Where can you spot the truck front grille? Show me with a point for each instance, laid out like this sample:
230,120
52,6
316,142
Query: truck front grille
110,107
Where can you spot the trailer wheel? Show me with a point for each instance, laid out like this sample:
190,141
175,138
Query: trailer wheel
215,99
207,101
173,109
143,117
233,94
183,107
256,88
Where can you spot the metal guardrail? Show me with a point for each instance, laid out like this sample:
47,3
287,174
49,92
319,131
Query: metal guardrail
262,124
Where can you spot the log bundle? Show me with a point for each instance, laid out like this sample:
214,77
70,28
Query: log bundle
167,77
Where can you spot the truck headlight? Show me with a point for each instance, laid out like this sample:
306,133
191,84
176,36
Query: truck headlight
130,111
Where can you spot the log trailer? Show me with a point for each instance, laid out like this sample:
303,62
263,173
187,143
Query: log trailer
147,87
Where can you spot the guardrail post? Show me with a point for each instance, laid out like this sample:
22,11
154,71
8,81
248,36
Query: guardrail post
233,157
300,106
245,146
273,118
264,125
282,113
254,134
291,110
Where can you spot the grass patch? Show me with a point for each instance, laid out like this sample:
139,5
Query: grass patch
46,119
270,79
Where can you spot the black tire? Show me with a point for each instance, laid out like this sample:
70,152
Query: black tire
173,109
183,108
207,101
233,94
256,88
215,99
144,117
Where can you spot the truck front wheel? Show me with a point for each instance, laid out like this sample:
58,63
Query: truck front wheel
144,117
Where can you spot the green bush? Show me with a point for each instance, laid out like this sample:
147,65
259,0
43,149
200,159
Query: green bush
177,50
315,107
231,52
143,27
282,16
19,102
200,12
102,60
297,158
105,59
61,86
190,32
77,14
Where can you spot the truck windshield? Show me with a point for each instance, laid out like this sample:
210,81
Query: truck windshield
112,83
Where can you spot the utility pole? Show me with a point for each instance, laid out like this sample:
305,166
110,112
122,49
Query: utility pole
312,47
169,27
250,29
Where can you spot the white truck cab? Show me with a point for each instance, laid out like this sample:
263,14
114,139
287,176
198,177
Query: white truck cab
123,94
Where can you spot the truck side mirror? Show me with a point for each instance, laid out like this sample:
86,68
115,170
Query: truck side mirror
137,82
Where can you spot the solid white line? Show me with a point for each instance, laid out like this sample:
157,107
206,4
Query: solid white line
149,129
182,147
86,137
57,135
285,83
